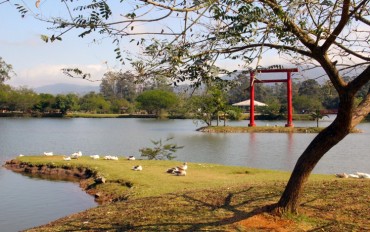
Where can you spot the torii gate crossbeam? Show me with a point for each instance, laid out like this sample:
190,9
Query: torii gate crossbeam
289,92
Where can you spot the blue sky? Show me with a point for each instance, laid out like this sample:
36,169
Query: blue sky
37,63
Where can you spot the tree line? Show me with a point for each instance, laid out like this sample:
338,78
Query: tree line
123,93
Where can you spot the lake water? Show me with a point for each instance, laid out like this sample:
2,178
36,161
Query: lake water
37,201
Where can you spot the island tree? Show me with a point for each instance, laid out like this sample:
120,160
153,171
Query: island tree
186,40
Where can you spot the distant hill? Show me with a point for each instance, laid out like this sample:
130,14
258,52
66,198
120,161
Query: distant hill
66,88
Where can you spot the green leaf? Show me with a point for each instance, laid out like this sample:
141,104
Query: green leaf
45,38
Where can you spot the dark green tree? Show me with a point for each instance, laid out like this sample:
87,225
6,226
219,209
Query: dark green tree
45,102
306,104
64,103
5,93
310,88
207,106
94,103
22,99
156,101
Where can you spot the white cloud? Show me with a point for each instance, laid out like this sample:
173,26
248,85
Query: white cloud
47,74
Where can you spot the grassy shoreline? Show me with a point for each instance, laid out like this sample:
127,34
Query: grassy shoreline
210,197
263,129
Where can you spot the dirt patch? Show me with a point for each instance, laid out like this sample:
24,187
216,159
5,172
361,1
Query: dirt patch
264,222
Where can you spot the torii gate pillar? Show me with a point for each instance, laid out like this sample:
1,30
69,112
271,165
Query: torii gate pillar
253,80
289,100
251,100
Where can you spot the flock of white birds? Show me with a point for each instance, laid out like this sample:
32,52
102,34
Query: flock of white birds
177,171
357,175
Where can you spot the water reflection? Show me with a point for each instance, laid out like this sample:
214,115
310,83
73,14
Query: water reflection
37,201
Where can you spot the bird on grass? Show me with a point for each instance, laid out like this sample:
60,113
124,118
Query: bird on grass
110,157
357,175
48,153
363,175
137,168
95,157
180,173
342,175
76,155
131,157
178,170
67,158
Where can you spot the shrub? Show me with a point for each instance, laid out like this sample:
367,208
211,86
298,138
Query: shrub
160,151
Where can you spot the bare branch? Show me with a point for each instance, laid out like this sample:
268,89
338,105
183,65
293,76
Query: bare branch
342,23
185,9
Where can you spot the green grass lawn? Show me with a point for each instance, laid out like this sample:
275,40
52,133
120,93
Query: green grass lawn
153,179
210,197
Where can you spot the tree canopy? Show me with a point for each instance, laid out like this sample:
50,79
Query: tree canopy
154,101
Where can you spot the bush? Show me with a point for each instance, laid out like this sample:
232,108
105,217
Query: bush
160,151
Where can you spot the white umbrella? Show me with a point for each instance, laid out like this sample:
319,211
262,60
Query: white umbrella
248,103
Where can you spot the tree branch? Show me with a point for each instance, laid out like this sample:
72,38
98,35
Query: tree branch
185,9
275,46
361,111
301,35
342,23
361,80
352,52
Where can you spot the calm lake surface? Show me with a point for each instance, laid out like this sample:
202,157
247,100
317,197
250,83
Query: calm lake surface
28,202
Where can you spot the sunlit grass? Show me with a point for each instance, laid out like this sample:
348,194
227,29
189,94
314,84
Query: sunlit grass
154,181
210,197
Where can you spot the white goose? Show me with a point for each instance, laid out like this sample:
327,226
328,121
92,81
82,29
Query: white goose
180,173
342,175
95,157
48,153
178,169
131,157
76,155
68,158
353,176
110,157
363,175
137,168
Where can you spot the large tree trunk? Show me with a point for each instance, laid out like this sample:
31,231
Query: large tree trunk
322,143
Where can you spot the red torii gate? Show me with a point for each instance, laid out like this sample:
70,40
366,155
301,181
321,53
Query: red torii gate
289,92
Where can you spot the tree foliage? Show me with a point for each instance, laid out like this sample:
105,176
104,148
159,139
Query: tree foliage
161,150
155,101
120,85
317,115
6,70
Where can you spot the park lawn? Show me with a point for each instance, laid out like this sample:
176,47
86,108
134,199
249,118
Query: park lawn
122,181
212,197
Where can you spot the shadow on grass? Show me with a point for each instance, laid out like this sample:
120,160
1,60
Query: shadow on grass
232,209
226,209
